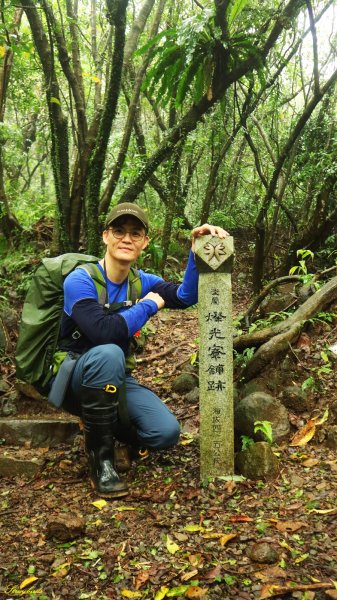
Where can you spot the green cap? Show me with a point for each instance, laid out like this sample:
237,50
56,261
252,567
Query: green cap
128,209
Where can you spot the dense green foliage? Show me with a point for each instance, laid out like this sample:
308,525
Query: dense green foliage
222,112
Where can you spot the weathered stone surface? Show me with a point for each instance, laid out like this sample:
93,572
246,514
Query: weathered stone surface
255,385
296,399
257,462
260,406
11,466
184,383
262,552
214,258
65,527
39,432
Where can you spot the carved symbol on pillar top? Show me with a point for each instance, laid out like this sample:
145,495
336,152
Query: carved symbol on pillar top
213,251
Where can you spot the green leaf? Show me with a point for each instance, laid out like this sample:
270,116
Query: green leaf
54,100
168,33
237,7
185,81
177,591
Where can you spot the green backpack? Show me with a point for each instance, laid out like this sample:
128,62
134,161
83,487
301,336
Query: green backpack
42,314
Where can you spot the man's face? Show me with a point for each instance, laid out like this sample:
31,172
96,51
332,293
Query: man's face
125,239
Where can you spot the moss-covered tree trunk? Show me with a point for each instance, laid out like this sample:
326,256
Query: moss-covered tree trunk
58,122
117,18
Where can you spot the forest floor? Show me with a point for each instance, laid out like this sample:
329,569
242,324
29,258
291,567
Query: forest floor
173,536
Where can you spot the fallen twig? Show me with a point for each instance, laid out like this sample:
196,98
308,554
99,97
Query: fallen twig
160,354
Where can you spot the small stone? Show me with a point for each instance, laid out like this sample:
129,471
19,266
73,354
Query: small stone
193,395
65,527
296,399
262,552
297,481
257,462
184,383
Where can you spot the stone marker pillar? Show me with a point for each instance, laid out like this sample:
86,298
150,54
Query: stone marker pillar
214,259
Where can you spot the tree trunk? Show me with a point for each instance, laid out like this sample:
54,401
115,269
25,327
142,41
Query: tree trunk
284,155
58,122
117,17
173,181
132,106
8,222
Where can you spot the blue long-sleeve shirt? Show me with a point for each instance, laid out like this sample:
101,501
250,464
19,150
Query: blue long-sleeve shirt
82,311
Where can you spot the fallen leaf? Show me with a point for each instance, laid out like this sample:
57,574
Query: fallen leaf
194,528
301,558
196,592
27,582
310,462
240,519
128,594
141,578
324,418
189,575
227,538
161,593
303,343
99,504
124,508
195,559
171,546
177,591
324,511
305,434
290,525
270,573
212,573
62,570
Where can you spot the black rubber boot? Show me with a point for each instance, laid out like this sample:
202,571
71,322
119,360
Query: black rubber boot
100,420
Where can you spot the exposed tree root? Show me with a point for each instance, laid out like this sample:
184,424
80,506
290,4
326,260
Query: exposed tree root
272,341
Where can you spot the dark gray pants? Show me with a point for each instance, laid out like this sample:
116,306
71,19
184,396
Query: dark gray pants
156,426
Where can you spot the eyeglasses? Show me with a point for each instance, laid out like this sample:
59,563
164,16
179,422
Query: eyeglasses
119,233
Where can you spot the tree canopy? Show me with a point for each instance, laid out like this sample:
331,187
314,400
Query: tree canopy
199,111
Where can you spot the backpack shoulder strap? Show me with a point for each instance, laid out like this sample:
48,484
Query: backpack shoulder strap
98,278
134,285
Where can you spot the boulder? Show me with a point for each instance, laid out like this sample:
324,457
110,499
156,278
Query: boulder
257,462
260,406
